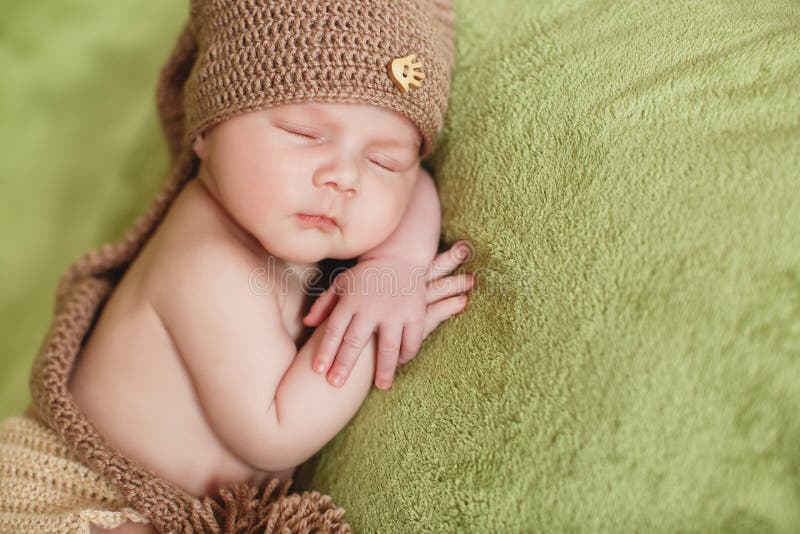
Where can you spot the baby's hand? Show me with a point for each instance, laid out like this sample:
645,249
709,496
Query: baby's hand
406,306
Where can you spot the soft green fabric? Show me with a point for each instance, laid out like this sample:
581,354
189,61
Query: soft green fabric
630,178
81,153
629,173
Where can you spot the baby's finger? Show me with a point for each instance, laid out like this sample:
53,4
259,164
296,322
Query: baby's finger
442,310
321,308
389,338
449,286
413,334
335,328
353,342
447,261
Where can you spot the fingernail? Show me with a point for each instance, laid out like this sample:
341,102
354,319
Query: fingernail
337,380
319,367
463,251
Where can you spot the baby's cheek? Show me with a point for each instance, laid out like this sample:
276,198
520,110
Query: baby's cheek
247,209
385,219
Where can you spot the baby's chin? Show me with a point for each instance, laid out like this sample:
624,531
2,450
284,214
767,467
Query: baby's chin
314,251
298,254
293,256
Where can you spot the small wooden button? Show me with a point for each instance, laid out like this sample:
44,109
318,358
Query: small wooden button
405,73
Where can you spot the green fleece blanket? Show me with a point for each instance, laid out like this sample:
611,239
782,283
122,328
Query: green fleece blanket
81,153
629,176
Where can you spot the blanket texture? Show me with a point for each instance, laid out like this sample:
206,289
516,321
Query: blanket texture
629,175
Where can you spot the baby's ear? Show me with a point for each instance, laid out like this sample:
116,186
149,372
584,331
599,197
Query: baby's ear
199,147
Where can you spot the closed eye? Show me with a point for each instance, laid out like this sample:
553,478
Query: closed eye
299,132
381,165
395,165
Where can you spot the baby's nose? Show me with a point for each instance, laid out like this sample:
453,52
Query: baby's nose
341,176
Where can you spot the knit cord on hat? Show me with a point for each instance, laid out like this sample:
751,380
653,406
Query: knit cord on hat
169,91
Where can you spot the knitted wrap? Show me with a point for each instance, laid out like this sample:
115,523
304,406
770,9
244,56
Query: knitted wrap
232,57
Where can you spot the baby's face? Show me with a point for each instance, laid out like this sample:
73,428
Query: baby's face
356,163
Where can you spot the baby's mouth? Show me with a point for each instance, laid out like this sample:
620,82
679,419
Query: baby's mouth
319,221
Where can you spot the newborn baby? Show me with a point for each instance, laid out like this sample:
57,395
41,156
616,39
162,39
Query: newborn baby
188,356
226,364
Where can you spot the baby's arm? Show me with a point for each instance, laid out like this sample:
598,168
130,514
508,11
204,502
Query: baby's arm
257,391
308,410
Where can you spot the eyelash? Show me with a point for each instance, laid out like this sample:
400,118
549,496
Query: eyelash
384,167
299,134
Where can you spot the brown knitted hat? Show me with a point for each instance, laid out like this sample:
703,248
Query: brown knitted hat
232,57
249,55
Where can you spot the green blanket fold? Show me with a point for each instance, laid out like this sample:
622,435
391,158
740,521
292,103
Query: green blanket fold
629,176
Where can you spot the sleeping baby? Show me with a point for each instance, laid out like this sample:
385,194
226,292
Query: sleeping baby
227,365
305,124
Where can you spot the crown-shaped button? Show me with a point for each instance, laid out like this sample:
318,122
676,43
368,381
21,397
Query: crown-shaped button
405,73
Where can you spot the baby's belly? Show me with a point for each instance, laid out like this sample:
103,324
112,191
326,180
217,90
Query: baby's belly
131,383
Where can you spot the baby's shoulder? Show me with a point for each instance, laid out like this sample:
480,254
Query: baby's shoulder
203,260
212,285
193,252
